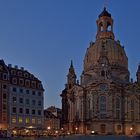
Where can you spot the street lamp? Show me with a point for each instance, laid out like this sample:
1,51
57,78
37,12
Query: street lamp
49,128
131,128
76,130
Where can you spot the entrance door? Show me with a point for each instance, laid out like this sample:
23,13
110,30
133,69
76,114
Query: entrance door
103,128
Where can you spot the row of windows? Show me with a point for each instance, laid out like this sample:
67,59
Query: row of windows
20,73
26,82
14,89
26,120
27,111
27,101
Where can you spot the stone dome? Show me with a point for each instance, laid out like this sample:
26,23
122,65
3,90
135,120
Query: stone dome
105,41
114,52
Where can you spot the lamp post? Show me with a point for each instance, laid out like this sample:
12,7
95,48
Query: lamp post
49,128
131,130
76,130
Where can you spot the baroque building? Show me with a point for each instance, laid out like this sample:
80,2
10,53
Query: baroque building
106,100
21,99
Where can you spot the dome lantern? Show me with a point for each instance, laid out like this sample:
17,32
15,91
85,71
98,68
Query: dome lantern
105,25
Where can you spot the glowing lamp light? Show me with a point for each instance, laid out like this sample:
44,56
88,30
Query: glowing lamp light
131,128
14,132
49,127
92,132
56,132
26,131
76,128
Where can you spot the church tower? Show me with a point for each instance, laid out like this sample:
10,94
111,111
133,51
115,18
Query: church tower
105,26
71,77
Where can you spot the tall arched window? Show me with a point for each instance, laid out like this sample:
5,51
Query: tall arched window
102,107
132,107
118,108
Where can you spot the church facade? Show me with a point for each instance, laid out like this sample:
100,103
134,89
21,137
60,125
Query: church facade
105,101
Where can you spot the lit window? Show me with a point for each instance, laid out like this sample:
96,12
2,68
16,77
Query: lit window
13,119
20,120
33,121
27,120
39,121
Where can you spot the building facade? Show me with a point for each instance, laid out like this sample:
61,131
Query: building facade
51,121
21,98
106,100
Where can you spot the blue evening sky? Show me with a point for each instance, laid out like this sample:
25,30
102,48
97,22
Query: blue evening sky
44,35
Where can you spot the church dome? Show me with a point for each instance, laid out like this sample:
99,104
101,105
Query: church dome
114,52
105,39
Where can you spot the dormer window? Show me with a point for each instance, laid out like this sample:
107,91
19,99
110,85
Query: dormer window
26,75
14,80
19,73
5,76
13,72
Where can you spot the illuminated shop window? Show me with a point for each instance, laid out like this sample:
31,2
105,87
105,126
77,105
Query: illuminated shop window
20,119
13,119
39,121
27,120
33,121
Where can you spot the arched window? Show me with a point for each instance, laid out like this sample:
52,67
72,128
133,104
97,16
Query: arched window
118,106
102,107
132,107
101,27
103,73
108,27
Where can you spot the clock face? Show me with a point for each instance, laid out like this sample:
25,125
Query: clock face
103,87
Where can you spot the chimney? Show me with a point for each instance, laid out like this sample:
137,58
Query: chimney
22,68
16,66
10,65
